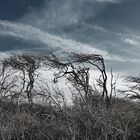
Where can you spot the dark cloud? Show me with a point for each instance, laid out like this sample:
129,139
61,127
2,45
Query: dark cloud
13,9
111,26
125,15
14,44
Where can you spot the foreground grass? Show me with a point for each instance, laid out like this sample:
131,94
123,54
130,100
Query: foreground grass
77,122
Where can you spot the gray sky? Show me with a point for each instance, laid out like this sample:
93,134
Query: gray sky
107,27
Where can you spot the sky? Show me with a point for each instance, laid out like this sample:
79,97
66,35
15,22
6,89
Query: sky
107,27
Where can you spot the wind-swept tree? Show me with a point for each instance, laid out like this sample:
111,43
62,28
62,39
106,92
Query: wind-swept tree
133,92
27,65
76,71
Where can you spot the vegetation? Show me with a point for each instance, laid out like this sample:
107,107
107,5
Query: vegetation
92,114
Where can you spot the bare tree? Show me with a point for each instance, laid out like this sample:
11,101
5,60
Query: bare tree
76,70
98,62
7,81
134,89
27,65
76,75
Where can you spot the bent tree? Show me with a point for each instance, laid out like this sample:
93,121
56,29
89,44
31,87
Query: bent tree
76,71
27,65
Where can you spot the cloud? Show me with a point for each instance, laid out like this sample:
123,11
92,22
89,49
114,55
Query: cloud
58,14
68,25
132,42
110,1
30,33
97,27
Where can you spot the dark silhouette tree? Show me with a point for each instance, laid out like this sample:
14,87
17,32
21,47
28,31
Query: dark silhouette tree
76,71
7,81
133,92
27,65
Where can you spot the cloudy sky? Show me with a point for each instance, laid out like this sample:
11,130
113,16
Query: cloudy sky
107,27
